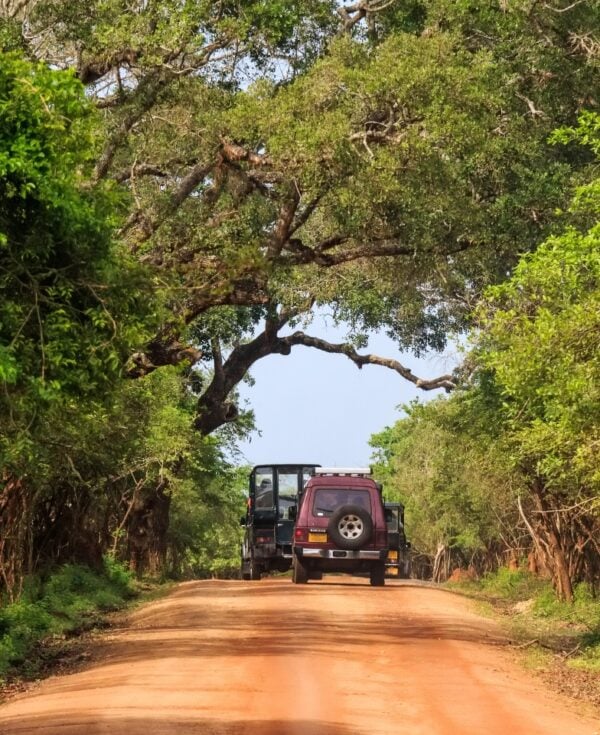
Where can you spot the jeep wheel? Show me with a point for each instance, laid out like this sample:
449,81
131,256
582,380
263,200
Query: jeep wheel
350,527
377,575
255,571
299,572
244,568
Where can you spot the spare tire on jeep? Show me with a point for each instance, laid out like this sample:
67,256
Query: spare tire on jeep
350,527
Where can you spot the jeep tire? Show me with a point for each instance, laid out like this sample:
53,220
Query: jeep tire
255,570
350,527
299,572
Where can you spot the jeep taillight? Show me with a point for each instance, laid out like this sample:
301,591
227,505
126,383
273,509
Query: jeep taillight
264,539
300,534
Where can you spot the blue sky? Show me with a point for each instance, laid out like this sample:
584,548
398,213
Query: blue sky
315,407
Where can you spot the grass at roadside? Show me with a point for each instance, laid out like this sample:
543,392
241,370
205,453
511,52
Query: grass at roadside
36,630
560,639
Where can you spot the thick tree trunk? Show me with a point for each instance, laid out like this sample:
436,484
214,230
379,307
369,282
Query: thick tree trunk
147,528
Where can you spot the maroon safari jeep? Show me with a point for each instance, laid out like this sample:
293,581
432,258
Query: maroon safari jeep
340,526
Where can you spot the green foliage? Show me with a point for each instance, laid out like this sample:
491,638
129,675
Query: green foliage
515,585
525,426
21,624
68,600
258,30
574,626
445,463
75,592
72,303
540,337
428,129
448,173
118,575
205,532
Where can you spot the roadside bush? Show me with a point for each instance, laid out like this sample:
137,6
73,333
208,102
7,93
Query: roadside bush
76,592
69,600
584,611
21,624
514,584
571,627
590,654
119,575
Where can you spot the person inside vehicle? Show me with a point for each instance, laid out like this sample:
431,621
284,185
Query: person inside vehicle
264,494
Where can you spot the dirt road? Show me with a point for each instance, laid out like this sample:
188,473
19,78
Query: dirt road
269,658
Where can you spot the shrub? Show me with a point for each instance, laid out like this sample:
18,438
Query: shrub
68,600
513,584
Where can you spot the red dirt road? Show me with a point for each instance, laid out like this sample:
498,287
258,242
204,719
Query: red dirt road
269,658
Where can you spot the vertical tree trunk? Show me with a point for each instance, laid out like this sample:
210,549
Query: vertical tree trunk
14,536
147,529
440,564
554,543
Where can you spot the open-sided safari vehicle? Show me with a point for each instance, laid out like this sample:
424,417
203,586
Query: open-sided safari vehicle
269,521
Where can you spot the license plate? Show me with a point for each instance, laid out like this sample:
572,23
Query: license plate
317,538
392,554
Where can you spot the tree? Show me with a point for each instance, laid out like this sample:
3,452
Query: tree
406,148
515,448
247,163
72,304
540,336
67,291
446,462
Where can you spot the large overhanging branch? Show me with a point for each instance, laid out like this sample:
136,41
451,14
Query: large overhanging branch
299,338
226,158
329,253
249,287
215,407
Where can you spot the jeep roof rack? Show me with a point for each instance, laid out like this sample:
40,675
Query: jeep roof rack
355,471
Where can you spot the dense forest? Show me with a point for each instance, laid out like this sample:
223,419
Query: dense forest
184,183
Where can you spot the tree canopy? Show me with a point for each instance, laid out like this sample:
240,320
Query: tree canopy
72,304
523,431
185,183
384,160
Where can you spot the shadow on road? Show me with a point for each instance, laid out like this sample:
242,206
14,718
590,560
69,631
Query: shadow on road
84,724
189,628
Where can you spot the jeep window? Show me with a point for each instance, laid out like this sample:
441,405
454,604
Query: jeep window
264,488
288,491
327,500
288,483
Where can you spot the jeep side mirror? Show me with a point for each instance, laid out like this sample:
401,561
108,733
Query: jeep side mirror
292,512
